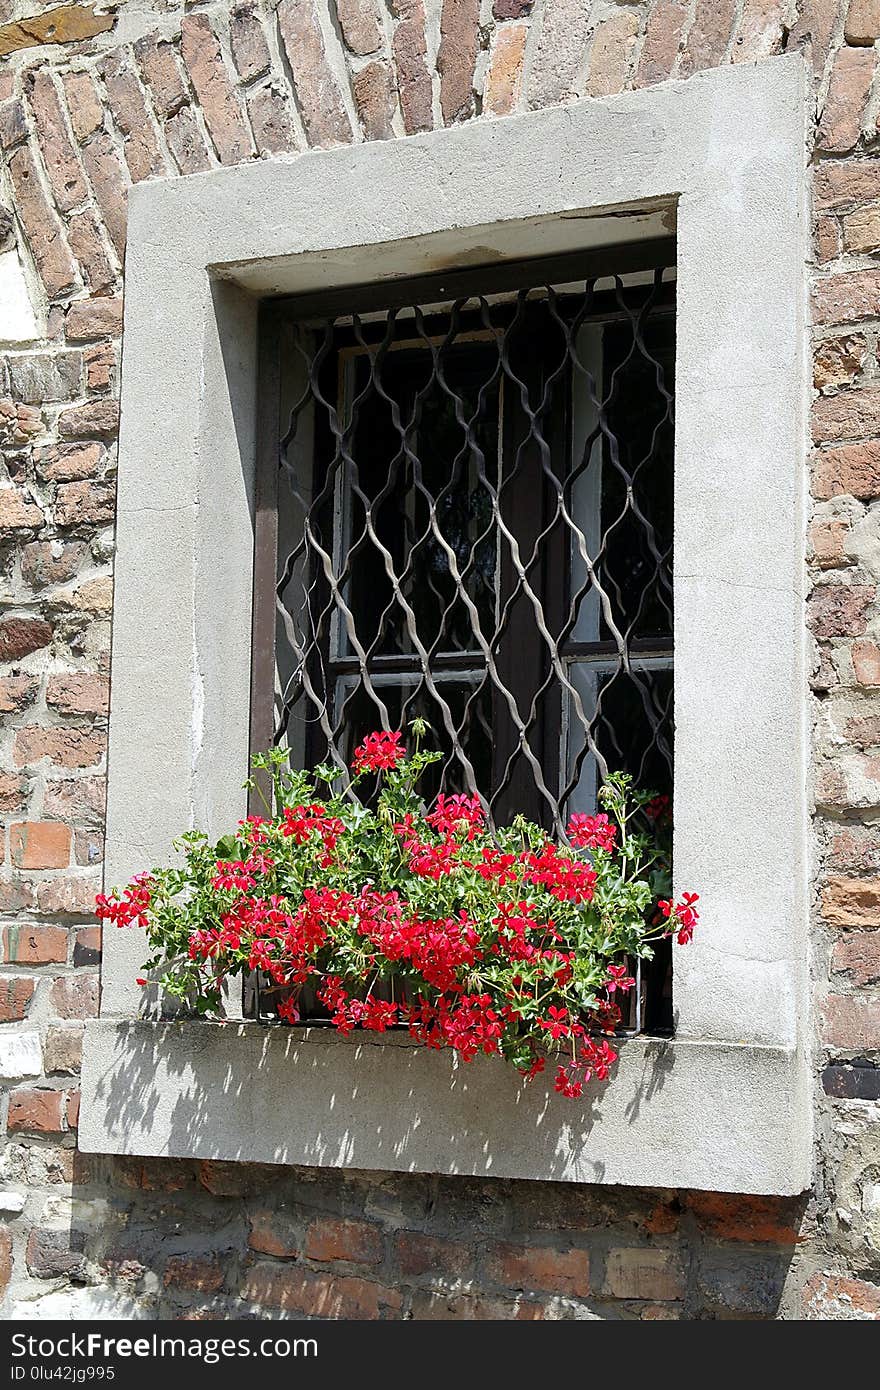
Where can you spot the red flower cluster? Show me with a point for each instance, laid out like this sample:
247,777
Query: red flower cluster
379,752
592,832
132,907
684,915
488,941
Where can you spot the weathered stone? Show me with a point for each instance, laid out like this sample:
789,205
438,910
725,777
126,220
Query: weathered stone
16,993
610,53
37,377
851,902
271,121
708,36
861,230
410,56
158,64
853,469
51,562
185,142
75,996
20,636
13,127
504,79
857,955
105,171
59,157
761,28
644,1272
129,108
555,66
93,318
86,243
63,1051
20,1055
839,360
53,1253
92,420
42,229
851,77
862,23
62,24
323,112
853,414
374,92
666,23
84,107
250,51
456,58
17,511
207,70
852,1022
838,610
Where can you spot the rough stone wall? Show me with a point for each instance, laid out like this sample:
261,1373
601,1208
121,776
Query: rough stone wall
91,103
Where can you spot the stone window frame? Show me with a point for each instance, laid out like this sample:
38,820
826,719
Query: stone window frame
723,1106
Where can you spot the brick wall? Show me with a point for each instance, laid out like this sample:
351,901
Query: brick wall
90,104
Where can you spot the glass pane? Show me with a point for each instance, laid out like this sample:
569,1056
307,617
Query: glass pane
630,715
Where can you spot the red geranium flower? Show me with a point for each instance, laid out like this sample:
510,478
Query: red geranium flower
378,752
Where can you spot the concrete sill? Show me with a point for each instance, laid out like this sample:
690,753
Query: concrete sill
711,1115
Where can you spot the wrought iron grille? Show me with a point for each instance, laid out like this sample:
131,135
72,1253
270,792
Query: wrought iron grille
464,512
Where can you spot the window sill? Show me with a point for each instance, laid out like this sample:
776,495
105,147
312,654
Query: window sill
676,1113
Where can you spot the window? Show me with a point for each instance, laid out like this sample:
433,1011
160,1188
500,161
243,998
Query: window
474,525
473,494
603,173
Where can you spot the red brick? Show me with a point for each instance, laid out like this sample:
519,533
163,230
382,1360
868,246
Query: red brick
13,792
72,1109
92,420
273,1233
13,124
505,75
827,238
86,112
29,945
852,414
862,22
129,108
40,845
864,732
850,470
250,52
185,142
204,62
410,57
846,183
539,1268
35,1112
94,596
55,264
88,941
21,636
18,512
200,1275
85,503
79,799
645,1272
761,29
40,564
838,610
16,895
105,171
847,297
159,67
857,955
88,847
420,1254
75,996
100,365
16,993
828,541
16,693
59,157
320,103
752,1220
851,76
73,896
317,1294
65,463
356,1241
64,747
851,902
851,1022
666,22
6,1261
457,57
360,26
866,663
374,94
610,53
708,37
814,30
861,230
63,1050
79,692
88,319
831,1297
856,847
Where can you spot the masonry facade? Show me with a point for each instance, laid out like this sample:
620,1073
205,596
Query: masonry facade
92,103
